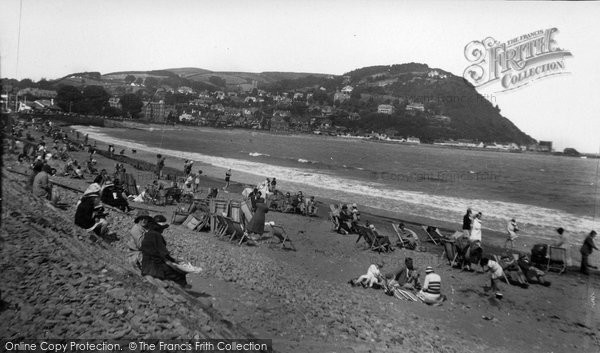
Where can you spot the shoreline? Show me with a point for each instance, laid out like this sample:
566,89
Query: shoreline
382,218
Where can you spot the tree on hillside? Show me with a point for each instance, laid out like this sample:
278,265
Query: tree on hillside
95,100
131,104
68,98
151,82
129,79
217,81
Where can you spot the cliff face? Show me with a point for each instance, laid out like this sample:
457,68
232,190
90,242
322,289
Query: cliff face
434,104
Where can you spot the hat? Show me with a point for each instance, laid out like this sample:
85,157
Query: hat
92,190
141,214
161,221
354,205
429,269
560,230
371,226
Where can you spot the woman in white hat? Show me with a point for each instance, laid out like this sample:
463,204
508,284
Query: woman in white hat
432,287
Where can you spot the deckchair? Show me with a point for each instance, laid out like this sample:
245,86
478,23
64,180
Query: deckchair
515,274
217,207
280,233
245,208
433,234
449,251
399,234
370,238
503,265
557,259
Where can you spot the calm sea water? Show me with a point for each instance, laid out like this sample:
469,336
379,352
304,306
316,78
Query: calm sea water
541,191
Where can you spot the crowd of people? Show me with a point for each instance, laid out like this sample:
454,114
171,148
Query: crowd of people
148,246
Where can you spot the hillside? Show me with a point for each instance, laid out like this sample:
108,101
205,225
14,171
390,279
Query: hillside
424,102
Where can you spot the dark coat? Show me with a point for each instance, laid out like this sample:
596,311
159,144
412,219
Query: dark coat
257,223
84,215
588,246
466,222
154,257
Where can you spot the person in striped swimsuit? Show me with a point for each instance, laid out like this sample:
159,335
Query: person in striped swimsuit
432,287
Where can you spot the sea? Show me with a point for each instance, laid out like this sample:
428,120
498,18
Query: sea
541,191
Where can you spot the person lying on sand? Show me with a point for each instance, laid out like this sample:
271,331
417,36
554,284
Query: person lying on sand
372,277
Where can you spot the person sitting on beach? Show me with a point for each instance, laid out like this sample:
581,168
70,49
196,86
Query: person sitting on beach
273,185
432,287
371,278
137,232
41,183
112,195
496,272
532,273
311,207
345,220
90,214
404,276
288,203
155,256
355,214
383,240
408,240
78,173
512,228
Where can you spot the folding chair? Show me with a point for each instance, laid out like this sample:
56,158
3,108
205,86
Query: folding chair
400,233
370,238
557,259
281,234
449,251
433,234
503,265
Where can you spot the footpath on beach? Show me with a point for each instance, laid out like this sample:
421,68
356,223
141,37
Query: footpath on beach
57,282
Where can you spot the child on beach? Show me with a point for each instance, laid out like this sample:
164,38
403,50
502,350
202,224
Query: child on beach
496,272
512,230
371,277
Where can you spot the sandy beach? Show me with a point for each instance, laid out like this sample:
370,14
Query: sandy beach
300,299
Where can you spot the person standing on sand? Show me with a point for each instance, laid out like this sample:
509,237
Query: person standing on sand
160,164
475,235
586,250
496,271
197,181
512,228
563,242
227,178
467,220
257,223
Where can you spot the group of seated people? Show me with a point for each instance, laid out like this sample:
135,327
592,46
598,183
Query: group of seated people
404,277
299,204
148,249
345,219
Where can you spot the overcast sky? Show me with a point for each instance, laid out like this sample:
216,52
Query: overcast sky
62,37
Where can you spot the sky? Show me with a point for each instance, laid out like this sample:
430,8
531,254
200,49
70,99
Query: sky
59,37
